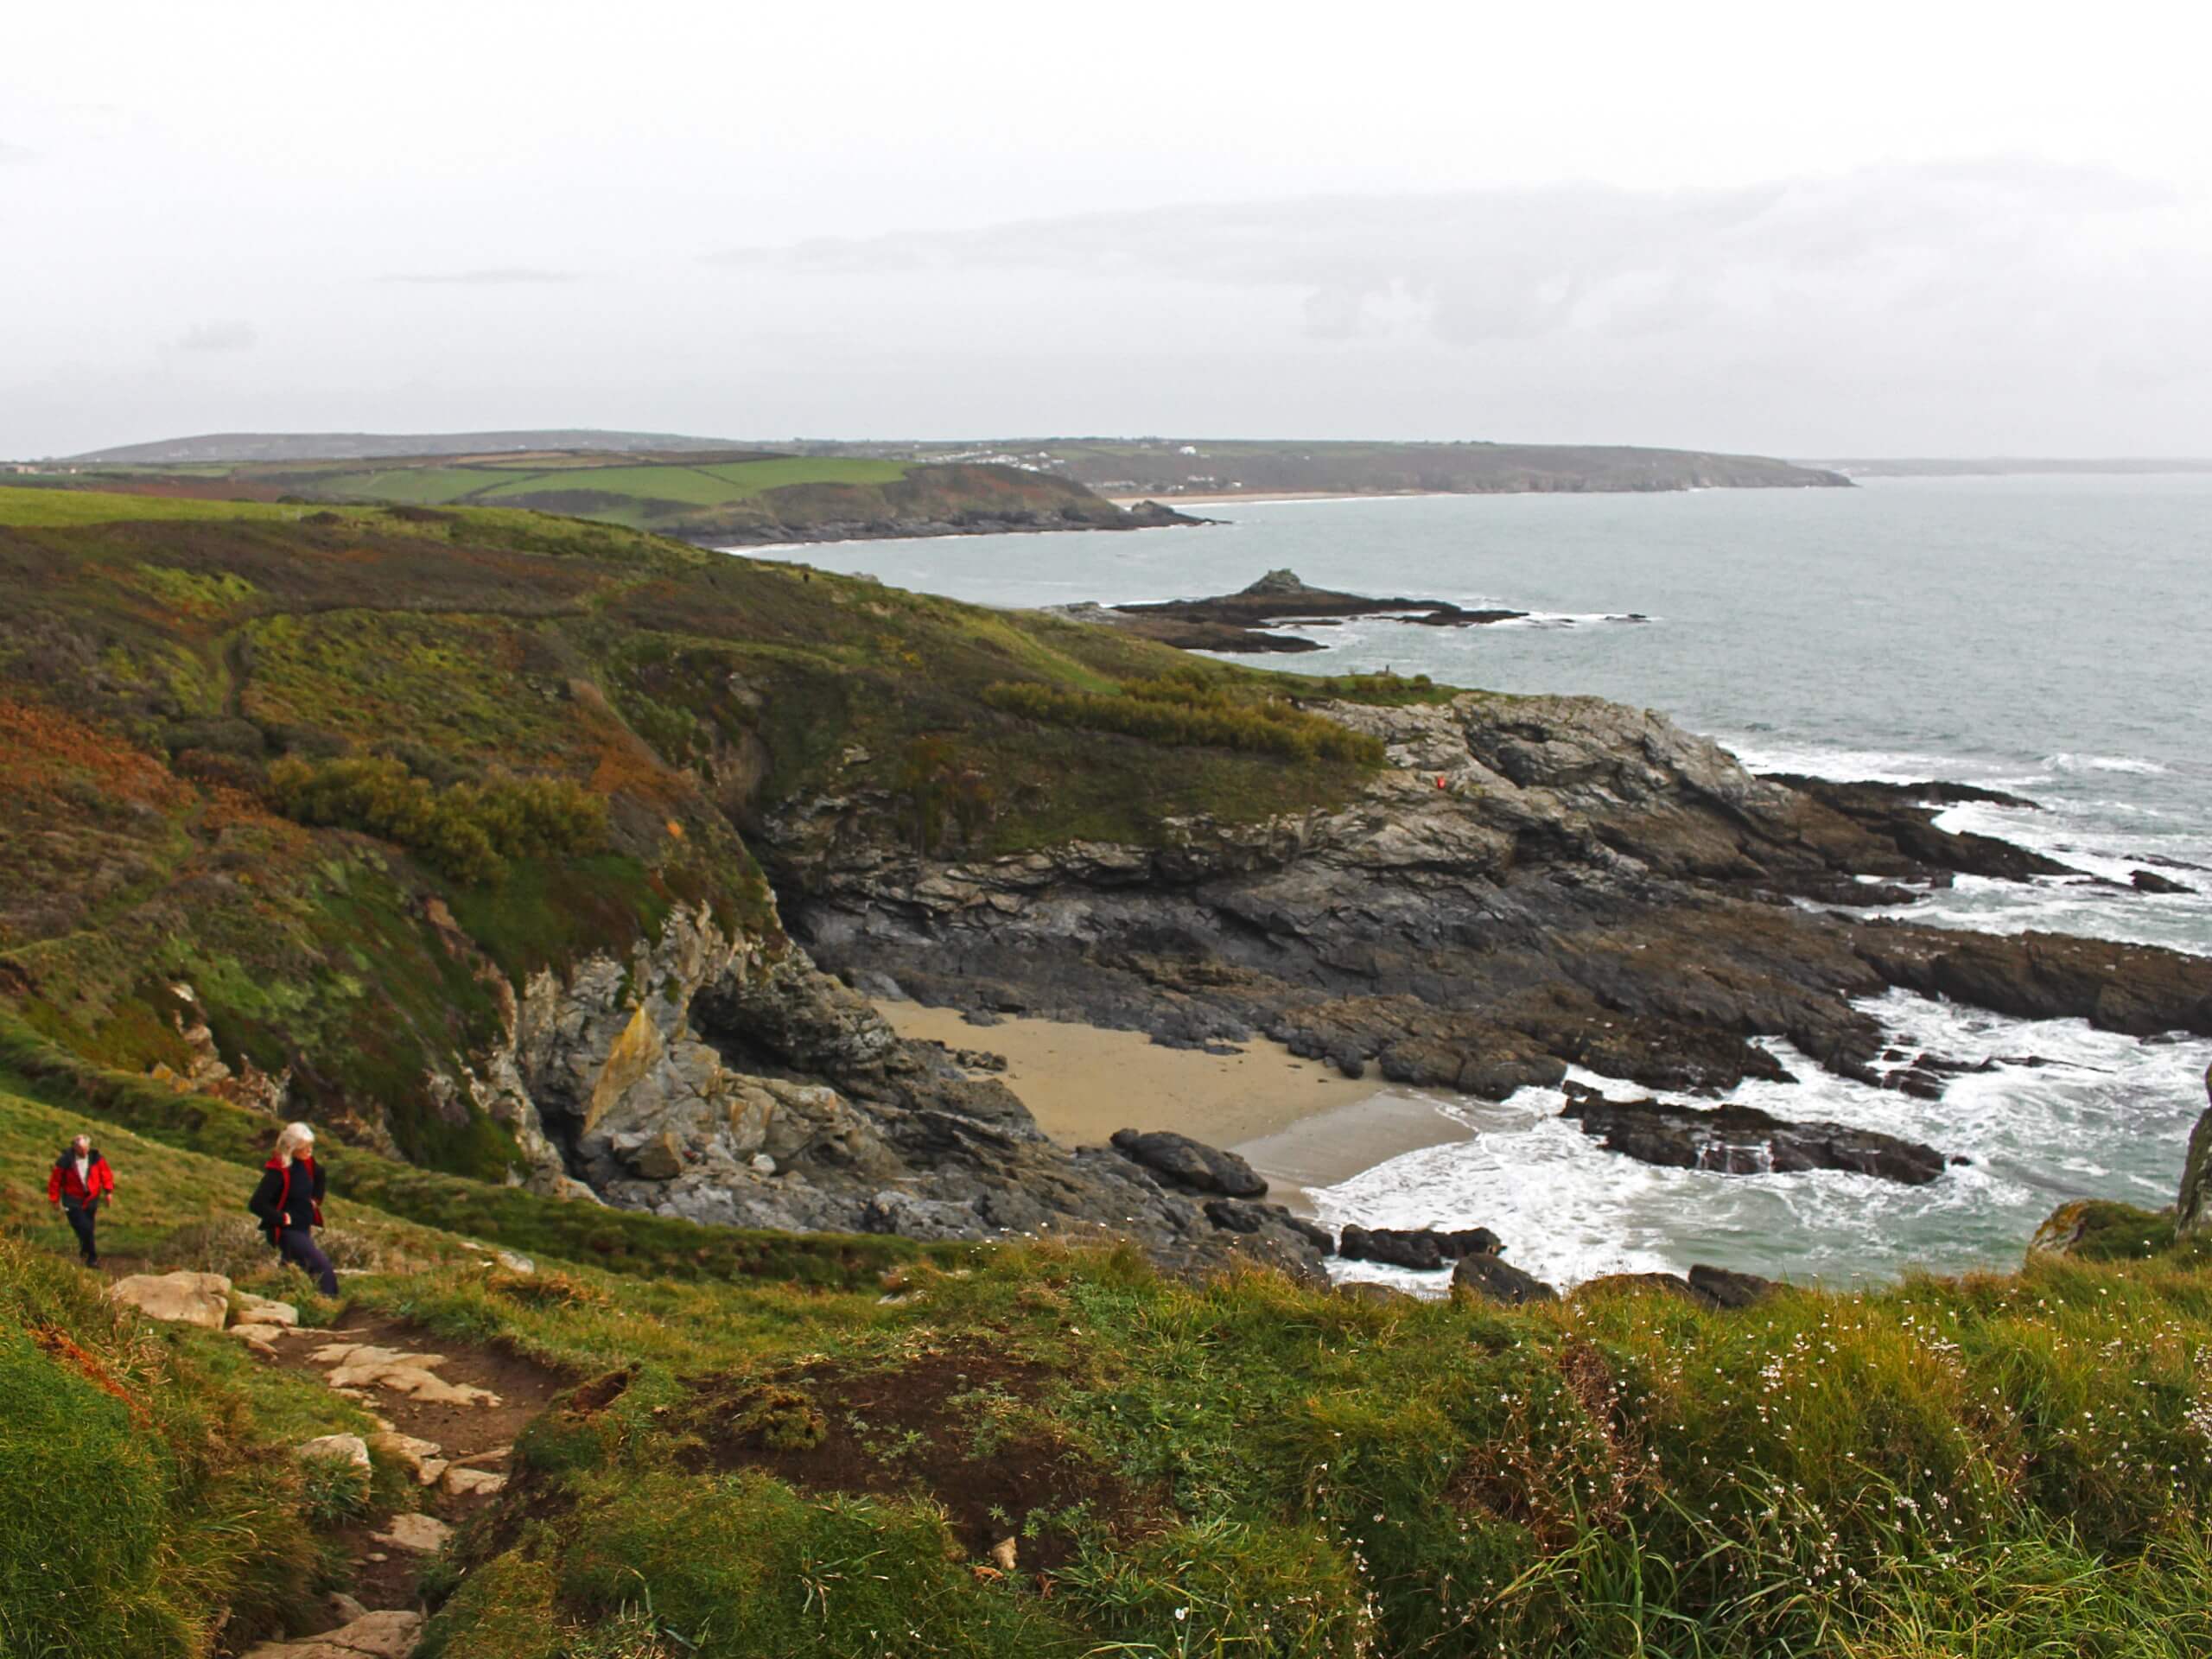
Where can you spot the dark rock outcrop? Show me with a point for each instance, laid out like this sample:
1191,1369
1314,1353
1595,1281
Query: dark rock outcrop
2152,881
1722,1288
1592,887
1189,1164
1492,1279
1243,622
1424,1249
1744,1141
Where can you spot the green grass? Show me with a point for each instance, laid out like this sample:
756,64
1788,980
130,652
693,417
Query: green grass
422,487
1883,1473
142,1513
1999,1466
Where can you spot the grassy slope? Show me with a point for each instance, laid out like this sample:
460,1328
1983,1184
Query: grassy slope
154,667
148,1500
1997,1466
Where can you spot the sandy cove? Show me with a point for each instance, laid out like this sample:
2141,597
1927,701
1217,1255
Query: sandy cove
1300,1123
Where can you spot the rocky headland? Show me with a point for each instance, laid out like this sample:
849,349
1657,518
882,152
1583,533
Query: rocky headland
579,862
1531,883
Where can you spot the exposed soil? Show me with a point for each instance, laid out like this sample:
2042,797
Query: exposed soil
952,1427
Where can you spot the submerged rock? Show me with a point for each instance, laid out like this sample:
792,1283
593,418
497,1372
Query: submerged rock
1242,621
1744,1141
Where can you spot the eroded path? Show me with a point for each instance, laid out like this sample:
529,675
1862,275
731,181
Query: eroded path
448,1413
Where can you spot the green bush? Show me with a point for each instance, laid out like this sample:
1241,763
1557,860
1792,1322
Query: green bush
1191,711
467,831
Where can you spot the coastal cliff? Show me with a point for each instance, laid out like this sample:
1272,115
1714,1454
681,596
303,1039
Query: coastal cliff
1529,883
519,849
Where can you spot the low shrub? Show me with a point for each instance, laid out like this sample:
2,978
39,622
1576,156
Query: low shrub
467,831
1191,711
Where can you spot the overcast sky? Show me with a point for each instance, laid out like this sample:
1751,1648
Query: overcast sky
1948,228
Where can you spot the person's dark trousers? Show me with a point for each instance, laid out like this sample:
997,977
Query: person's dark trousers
298,1245
82,1220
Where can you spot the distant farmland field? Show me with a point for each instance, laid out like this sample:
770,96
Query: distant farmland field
649,484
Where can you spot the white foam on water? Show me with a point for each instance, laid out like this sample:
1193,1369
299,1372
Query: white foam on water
2107,1117
1846,765
2064,761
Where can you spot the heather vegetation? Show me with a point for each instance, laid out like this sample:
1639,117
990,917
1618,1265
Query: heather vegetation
338,773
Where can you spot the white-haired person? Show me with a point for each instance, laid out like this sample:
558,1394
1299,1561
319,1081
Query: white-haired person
78,1182
288,1202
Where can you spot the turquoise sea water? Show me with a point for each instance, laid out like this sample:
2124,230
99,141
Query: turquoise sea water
2045,635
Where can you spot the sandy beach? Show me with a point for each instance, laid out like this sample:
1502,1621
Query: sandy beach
1300,1123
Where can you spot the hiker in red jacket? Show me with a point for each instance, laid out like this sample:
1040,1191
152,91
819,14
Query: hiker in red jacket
80,1181
289,1201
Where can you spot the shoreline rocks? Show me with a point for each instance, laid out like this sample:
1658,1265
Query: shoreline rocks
1744,1141
1423,1250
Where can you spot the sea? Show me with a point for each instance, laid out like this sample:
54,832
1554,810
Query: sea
2045,635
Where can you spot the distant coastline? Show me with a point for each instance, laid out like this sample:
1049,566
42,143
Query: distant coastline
2008,467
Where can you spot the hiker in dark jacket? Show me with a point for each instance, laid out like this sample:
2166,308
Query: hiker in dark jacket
288,1202
80,1181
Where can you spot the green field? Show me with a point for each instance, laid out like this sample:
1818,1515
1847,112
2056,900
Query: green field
30,508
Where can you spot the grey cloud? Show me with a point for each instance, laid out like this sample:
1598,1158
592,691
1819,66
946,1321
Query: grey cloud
1473,267
489,276
226,335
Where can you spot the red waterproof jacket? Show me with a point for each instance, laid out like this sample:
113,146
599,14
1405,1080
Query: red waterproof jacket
65,1186
290,1195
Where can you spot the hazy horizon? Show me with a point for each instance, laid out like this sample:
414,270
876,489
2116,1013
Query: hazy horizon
1923,236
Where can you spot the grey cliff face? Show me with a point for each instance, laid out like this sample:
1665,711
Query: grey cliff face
725,1080
1534,882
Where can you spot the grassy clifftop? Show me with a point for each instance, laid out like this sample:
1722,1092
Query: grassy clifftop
312,791
2003,1465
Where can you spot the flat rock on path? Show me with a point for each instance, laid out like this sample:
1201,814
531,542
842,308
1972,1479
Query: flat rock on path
373,1635
425,1534
201,1298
